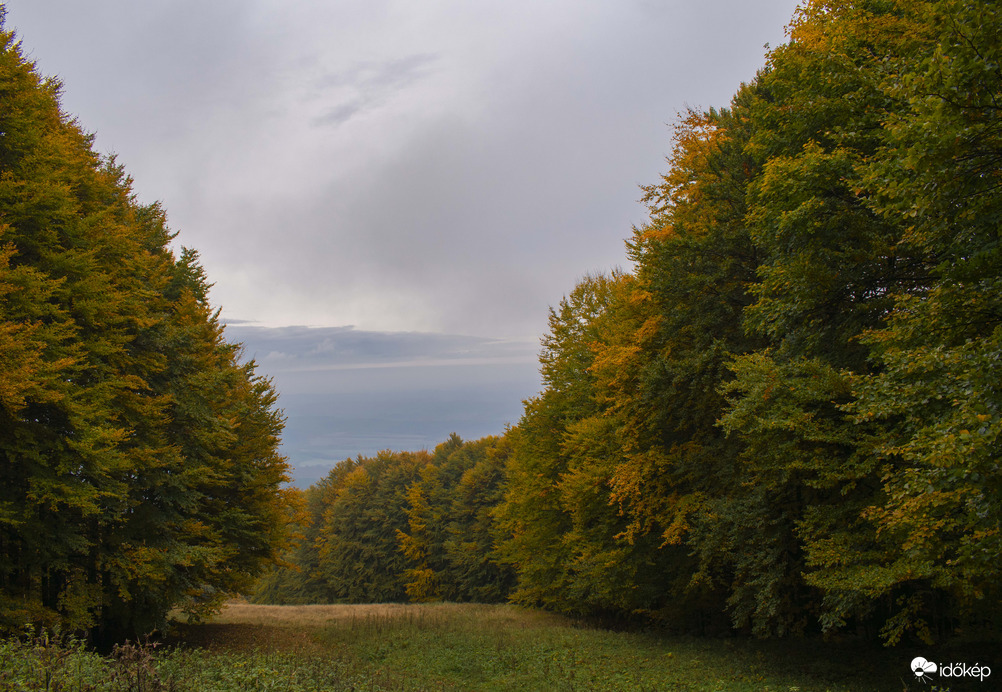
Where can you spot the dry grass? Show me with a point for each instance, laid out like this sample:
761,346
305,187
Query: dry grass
314,616
242,613
242,626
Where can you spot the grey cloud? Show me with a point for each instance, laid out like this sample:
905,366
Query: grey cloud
450,167
341,114
373,85
368,75
312,349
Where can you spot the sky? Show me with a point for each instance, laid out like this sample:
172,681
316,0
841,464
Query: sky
388,195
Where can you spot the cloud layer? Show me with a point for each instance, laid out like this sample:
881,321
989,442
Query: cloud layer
418,170
437,165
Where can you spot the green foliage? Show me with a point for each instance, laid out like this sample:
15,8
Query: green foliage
695,269
450,534
399,526
532,520
791,407
50,662
293,580
138,452
935,395
559,525
363,512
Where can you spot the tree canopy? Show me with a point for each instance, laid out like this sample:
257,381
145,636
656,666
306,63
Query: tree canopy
399,526
788,411
138,450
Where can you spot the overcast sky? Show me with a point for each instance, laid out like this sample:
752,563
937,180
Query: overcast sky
397,166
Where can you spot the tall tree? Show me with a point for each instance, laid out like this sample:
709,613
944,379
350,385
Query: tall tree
532,519
827,265
119,501
450,534
935,394
365,509
696,266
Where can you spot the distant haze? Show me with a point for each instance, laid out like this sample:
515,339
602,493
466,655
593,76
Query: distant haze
347,392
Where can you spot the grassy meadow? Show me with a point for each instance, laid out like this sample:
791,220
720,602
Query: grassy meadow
442,647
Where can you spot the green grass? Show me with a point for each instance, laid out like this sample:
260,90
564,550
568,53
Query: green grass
444,647
506,648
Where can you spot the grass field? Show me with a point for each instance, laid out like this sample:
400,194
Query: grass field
449,647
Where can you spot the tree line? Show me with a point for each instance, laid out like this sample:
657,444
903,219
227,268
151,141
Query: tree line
139,469
400,526
785,418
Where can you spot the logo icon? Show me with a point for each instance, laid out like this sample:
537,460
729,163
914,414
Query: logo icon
923,668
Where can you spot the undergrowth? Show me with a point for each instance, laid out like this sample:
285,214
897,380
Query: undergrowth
53,663
442,647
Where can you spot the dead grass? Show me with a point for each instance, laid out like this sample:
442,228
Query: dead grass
242,626
239,613
315,616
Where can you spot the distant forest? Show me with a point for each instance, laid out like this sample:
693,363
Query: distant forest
784,420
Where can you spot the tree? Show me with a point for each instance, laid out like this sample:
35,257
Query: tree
696,267
532,521
934,393
139,455
365,509
450,535
827,265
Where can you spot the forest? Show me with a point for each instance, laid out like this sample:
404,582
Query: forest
783,420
